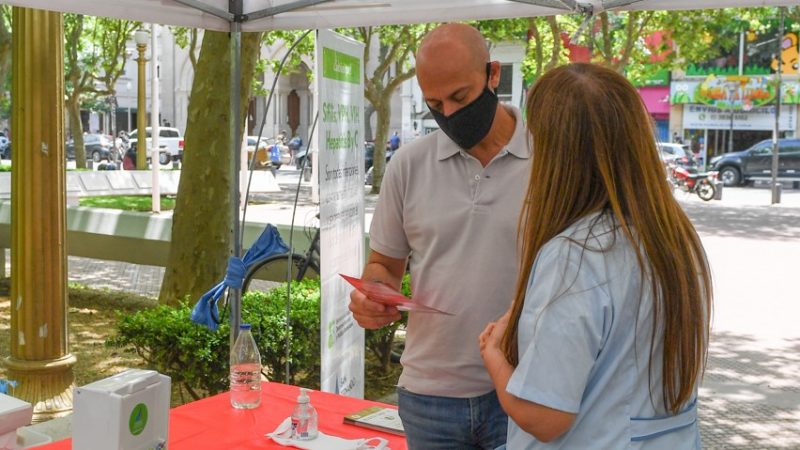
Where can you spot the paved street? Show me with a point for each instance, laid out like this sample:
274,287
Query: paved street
750,397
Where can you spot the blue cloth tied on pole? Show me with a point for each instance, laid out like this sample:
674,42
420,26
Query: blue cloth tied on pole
206,311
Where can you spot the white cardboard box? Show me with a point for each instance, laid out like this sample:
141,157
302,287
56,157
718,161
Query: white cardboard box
14,413
128,411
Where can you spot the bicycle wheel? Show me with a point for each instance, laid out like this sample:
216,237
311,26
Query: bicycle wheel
274,269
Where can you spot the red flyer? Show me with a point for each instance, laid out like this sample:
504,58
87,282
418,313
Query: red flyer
384,294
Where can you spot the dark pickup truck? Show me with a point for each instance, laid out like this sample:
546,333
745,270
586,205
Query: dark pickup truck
756,162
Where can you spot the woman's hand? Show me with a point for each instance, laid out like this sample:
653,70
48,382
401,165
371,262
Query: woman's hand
490,342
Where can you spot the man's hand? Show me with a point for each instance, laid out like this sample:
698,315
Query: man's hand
370,314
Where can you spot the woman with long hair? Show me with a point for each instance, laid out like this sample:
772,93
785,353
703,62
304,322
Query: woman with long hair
606,340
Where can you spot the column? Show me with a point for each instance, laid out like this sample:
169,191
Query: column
40,360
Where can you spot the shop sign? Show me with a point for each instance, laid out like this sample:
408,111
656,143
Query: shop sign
702,117
733,92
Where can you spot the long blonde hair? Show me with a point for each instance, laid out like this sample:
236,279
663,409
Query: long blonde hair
594,150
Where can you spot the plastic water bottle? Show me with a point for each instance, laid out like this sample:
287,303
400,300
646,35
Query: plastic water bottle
245,371
304,418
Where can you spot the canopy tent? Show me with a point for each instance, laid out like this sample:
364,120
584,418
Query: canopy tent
261,15
264,15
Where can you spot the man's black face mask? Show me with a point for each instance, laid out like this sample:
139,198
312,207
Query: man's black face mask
470,124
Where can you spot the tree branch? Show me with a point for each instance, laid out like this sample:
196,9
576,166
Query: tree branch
193,47
632,36
551,20
607,50
536,37
402,39
399,79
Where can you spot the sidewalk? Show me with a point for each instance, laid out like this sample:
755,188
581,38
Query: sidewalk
750,396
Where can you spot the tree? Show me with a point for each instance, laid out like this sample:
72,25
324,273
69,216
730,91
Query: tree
542,37
396,44
5,59
201,220
187,38
94,59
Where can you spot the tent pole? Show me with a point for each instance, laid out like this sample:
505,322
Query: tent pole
235,295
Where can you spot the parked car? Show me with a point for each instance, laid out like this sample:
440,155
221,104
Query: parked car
678,154
369,151
264,160
167,136
5,146
740,167
98,147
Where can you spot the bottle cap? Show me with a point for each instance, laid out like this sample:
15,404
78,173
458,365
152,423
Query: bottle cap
303,397
244,326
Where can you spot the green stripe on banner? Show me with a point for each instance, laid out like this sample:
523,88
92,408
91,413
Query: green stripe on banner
340,66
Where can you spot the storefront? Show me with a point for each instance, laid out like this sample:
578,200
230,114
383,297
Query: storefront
655,95
720,114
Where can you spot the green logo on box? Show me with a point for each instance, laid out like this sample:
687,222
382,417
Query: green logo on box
340,66
138,419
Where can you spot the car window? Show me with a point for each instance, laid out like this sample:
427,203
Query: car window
667,149
764,148
251,141
168,133
789,147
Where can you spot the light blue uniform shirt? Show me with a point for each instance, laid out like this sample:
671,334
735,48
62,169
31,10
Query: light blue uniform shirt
583,350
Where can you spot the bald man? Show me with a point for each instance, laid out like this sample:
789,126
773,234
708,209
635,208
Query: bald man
449,205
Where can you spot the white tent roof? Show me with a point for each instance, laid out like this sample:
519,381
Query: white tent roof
343,13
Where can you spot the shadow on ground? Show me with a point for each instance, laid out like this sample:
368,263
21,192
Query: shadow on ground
750,396
748,222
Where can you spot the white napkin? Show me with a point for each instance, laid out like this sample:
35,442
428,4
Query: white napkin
283,436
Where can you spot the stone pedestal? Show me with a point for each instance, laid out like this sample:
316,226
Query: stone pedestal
40,360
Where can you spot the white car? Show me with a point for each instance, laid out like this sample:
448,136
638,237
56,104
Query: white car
678,154
171,138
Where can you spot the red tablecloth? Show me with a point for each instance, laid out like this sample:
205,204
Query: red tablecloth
212,424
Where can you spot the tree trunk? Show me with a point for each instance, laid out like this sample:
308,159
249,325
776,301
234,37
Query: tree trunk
555,31
76,128
5,53
607,51
201,221
384,114
368,111
536,37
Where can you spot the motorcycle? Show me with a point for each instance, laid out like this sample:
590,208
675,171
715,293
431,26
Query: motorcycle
702,184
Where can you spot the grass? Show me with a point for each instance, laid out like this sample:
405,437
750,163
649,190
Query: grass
92,317
143,203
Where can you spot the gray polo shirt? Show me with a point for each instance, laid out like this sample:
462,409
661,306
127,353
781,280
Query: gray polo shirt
458,222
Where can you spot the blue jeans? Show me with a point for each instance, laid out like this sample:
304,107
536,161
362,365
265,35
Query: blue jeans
440,423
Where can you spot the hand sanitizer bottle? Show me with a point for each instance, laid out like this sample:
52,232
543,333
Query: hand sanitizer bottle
304,418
